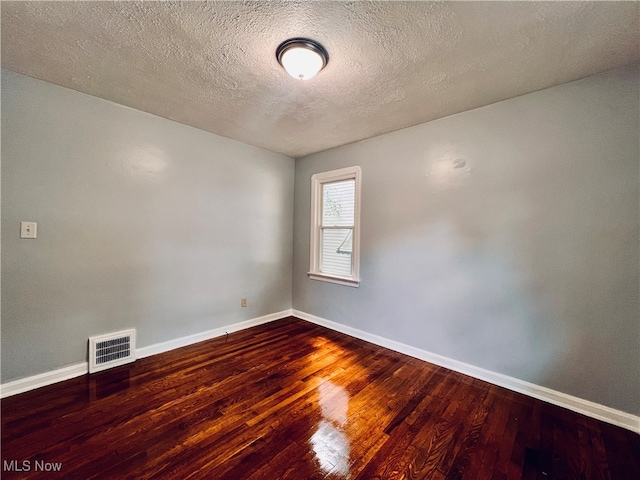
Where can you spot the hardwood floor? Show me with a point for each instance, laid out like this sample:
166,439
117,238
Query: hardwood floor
293,400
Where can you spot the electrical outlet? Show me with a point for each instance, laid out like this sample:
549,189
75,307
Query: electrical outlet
243,302
28,230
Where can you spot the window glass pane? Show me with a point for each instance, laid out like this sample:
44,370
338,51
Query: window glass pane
338,203
336,251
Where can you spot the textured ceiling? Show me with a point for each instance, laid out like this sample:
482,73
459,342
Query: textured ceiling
392,64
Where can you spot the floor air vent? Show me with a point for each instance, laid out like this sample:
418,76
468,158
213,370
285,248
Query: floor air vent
111,350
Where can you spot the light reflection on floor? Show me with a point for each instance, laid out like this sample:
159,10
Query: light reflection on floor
330,443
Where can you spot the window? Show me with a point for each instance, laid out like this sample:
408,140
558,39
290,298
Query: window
335,226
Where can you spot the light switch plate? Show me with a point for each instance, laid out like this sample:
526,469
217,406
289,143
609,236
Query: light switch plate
28,229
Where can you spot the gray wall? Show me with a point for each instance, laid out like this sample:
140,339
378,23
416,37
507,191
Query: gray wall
505,237
142,222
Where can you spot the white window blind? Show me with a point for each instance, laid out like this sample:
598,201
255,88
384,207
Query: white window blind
338,222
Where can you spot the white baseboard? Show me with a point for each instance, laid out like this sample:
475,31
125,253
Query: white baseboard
48,378
579,405
42,379
201,337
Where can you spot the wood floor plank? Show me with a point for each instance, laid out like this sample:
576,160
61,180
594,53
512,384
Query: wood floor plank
293,400
483,460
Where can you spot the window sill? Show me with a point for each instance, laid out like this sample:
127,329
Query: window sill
349,282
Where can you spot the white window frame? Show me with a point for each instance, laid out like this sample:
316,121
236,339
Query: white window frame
317,181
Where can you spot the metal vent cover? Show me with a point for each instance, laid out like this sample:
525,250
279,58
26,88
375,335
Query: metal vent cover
111,350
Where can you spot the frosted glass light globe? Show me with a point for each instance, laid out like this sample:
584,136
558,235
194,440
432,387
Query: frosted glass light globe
302,63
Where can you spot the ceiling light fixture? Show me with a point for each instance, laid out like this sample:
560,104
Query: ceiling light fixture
302,58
